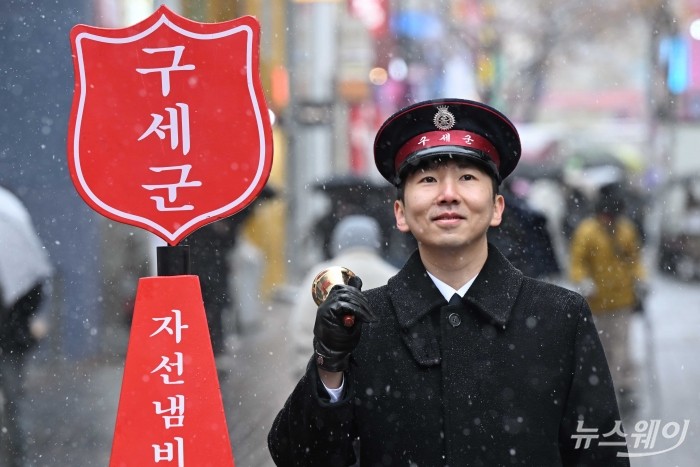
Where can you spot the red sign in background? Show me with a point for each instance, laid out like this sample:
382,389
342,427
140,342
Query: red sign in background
169,128
170,409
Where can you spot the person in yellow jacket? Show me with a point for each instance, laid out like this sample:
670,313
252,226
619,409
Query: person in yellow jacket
607,267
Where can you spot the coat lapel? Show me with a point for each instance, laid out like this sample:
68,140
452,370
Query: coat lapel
415,297
496,288
413,293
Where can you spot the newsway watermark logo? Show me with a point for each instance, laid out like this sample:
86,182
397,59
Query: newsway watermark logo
642,442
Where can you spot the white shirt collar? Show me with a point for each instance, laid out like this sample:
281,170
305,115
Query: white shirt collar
447,291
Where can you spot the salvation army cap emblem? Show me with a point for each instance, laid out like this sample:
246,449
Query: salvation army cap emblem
169,129
444,119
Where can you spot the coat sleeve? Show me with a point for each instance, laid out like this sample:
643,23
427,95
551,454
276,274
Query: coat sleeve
591,403
309,431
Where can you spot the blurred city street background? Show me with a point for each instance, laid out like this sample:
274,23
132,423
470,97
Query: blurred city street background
601,92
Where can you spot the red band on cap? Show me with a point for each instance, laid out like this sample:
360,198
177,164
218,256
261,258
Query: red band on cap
434,139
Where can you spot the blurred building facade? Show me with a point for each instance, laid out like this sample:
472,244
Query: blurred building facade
332,71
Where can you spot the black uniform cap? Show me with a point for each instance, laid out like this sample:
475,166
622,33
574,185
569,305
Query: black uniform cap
440,127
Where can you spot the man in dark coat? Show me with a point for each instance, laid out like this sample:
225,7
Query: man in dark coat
459,360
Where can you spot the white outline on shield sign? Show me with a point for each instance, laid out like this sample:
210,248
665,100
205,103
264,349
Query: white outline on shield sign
78,120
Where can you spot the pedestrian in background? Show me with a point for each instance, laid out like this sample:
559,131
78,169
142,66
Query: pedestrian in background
210,246
459,359
359,195
523,238
356,245
24,269
607,268
210,258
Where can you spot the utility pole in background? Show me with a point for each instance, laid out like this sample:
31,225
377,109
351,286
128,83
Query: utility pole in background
312,37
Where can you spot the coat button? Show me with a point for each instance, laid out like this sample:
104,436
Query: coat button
454,320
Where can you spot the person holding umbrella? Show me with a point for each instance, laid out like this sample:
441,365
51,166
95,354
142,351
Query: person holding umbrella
24,268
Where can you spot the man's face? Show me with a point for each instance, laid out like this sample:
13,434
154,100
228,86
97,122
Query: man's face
448,205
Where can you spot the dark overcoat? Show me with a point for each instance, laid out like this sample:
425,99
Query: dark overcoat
515,375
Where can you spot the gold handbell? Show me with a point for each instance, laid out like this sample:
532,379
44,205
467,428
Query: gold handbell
324,282
326,279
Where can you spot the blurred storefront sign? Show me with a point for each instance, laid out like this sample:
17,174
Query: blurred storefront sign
692,7
363,122
675,53
355,59
313,113
417,24
374,14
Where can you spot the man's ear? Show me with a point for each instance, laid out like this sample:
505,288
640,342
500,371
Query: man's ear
400,215
499,204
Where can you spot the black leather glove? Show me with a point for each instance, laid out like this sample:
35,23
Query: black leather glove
333,341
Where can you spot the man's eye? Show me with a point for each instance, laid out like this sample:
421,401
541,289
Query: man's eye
428,179
467,177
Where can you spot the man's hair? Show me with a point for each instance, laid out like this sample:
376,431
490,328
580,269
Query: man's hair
422,165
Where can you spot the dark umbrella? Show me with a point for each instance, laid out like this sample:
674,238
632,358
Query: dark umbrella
538,170
350,182
523,237
354,194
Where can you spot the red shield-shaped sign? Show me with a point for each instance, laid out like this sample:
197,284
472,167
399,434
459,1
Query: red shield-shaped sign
169,128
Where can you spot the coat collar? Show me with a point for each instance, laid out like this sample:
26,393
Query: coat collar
493,293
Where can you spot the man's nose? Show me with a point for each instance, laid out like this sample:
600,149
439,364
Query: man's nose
448,191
